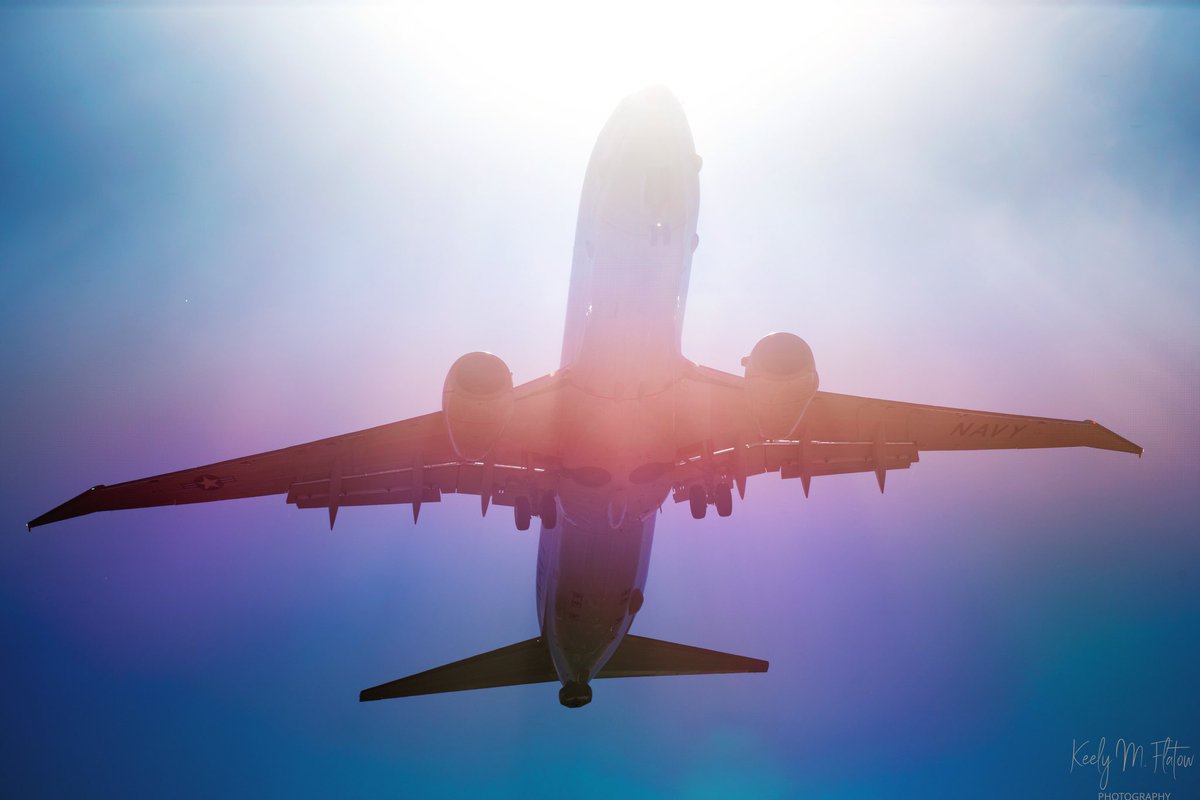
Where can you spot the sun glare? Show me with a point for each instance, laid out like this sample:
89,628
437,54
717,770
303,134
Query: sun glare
583,59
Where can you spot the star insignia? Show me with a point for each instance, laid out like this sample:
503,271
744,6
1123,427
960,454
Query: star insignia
209,482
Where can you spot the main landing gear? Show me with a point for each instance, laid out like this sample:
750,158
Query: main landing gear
522,513
699,501
548,511
722,498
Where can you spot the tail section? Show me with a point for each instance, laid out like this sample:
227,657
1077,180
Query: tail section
529,662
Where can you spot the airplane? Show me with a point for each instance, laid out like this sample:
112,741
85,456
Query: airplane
595,449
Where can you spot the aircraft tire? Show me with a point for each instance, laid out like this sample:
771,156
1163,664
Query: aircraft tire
724,500
698,498
522,513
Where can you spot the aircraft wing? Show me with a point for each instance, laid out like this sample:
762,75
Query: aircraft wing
843,433
411,461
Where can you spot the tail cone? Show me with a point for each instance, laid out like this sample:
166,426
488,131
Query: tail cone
574,694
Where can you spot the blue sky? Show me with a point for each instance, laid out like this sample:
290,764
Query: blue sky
224,231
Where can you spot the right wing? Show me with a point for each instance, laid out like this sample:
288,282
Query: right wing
840,433
411,461
845,417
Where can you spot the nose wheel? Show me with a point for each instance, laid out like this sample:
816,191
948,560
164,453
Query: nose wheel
698,498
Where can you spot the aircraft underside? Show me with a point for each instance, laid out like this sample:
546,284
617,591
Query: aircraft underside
597,448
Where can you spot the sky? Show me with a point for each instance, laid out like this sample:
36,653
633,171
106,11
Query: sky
225,230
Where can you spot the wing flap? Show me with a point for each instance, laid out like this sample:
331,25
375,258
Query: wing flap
396,486
796,460
837,458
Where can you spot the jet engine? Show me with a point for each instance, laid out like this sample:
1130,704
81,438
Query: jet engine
781,379
477,403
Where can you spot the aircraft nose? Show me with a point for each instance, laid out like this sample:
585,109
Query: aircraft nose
656,108
653,128
647,163
656,95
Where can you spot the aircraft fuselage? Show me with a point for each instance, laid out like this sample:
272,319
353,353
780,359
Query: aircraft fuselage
621,357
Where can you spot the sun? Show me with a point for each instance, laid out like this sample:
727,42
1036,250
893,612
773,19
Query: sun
717,59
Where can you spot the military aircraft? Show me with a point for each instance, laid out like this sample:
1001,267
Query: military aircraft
596,448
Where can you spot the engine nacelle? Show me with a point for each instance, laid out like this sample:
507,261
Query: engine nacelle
781,379
477,403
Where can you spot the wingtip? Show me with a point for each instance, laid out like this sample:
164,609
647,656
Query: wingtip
77,506
1111,440
44,519
1127,446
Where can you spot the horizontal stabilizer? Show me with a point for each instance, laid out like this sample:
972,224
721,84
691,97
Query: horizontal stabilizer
639,657
520,663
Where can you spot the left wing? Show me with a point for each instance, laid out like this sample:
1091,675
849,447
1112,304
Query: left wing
841,433
411,461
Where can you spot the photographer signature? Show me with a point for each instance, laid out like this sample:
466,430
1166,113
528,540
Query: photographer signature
1167,756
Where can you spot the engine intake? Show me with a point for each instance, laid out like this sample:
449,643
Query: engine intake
477,403
781,379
